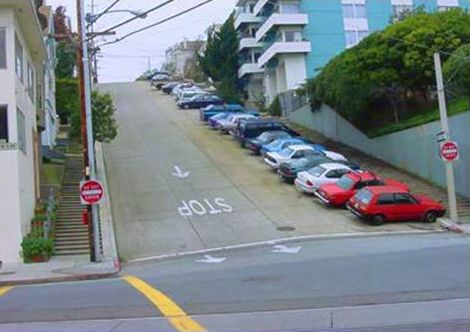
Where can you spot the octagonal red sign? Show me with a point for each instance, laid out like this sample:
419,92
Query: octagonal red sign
91,192
449,151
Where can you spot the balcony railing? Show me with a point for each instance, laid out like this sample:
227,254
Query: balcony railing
249,43
281,47
243,17
279,19
249,68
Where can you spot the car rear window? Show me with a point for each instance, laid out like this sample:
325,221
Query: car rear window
286,152
364,196
317,171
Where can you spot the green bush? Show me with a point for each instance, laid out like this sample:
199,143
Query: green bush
275,107
34,245
67,98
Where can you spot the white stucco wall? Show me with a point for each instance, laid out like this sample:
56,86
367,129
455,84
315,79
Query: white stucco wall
17,168
296,70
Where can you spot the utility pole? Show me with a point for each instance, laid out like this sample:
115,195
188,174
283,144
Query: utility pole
86,126
149,63
445,130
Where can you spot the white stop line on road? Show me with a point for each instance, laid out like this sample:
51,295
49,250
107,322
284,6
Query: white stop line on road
212,207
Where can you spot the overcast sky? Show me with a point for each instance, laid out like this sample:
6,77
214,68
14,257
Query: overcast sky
125,60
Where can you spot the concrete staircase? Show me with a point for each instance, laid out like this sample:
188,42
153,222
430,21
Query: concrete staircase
71,236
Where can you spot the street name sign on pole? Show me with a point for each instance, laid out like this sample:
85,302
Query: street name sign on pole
445,129
91,192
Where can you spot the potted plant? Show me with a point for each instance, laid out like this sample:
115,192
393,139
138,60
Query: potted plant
36,249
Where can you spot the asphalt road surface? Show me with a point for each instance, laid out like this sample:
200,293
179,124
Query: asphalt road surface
315,285
217,195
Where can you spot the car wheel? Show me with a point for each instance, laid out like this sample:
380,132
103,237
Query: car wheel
430,216
186,107
378,219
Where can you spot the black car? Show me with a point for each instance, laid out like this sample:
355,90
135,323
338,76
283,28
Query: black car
254,144
200,101
167,88
288,170
251,128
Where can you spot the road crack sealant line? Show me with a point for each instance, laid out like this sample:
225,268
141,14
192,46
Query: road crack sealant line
279,241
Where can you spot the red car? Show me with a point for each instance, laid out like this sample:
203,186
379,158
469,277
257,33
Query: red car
388,203
337,194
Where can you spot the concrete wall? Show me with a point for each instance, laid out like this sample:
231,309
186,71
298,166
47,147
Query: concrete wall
414,150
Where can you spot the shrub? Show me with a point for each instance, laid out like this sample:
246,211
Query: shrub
275,107
33,246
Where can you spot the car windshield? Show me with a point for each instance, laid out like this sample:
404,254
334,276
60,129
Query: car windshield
299,163
317,171
345,182
264,137
220,116
286,152
364,196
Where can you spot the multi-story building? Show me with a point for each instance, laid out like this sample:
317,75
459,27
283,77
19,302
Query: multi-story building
293,39
48,136
181,55
22,55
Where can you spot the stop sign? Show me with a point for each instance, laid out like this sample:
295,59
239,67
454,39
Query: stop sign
450,151
91,192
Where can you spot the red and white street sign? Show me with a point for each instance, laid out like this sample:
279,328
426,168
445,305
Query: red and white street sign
449,151
91,192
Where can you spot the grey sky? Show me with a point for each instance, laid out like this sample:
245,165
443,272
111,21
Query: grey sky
125,60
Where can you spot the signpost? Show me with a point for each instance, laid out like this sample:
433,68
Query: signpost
449,151
91,192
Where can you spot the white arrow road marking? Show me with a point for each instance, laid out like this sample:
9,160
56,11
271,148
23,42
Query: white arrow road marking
211,260
286,250
180,174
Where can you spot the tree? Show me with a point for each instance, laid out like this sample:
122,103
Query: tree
66,59
67,98
220,60
61,26
457,71
104,123
390,69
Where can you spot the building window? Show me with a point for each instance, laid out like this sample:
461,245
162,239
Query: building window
3,124
290,8
293,36
354,11
30,82
3,49
445,8
353,37
21,124
19,59
399,10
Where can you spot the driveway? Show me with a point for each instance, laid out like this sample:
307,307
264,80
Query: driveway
178,186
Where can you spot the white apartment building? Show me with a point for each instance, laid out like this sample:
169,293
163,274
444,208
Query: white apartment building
51,122
22,55
278,47
180,56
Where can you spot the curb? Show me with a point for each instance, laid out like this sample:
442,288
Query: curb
106,215
276,241
77,277
451,226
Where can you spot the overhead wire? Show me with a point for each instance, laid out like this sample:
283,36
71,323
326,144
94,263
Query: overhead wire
157,23
107,9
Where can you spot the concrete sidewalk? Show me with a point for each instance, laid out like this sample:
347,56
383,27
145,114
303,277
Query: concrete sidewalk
78,267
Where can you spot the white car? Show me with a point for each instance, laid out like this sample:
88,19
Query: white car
274,159
309,181
231,122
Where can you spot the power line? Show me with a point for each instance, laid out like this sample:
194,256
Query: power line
107,9
137,17
158,23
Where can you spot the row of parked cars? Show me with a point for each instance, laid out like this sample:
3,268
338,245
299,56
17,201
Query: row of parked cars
328,175
189,95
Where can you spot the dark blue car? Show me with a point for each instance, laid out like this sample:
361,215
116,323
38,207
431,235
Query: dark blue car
200,101
210,111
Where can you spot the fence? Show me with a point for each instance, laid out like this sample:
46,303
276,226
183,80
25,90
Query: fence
291,101
43,227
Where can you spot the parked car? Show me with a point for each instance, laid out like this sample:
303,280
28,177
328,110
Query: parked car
309,181
254,144
378,204
200,100
275,159
252,128
337,194
168,87
188,92
288,170
214,120
179,87
209,111
282,143
232,121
